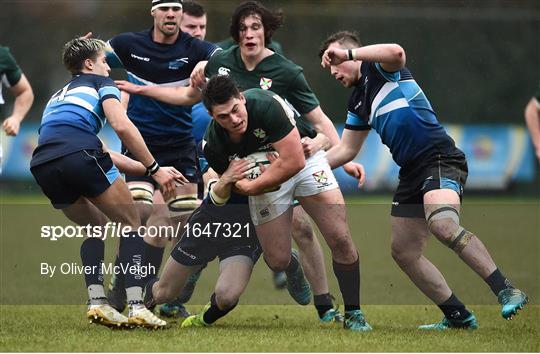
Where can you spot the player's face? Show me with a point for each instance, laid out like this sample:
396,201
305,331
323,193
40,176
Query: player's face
348,72
100,66
194,26
167,20
251,36
232,116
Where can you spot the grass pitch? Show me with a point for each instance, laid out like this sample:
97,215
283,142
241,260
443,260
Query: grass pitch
266,320
275,328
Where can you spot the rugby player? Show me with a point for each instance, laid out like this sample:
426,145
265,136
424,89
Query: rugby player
260,120
433,172
80,178
161,55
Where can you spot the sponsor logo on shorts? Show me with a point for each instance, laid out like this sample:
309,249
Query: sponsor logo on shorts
265,83
321,178
185,253
264,212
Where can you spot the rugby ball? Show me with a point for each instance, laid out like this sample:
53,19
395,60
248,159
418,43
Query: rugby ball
254,160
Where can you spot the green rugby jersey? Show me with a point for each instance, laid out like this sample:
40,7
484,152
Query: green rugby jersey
275,73
10,73
269,120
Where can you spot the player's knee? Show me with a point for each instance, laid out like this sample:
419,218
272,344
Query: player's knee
403,256
342,248
163,292
277,263
226,298
443,222
182,205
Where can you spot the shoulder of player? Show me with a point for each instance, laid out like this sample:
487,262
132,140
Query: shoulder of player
93,80
285,64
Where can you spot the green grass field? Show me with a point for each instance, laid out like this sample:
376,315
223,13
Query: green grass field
39,313
268,328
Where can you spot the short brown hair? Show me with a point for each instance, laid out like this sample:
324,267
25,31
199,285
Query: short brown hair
77,50
347,38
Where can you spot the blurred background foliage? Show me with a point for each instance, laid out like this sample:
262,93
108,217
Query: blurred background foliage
477,61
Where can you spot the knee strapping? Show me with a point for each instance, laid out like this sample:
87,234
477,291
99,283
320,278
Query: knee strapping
460,239
444,212
183,204
142,192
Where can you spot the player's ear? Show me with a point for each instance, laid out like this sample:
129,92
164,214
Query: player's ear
88,64
242,98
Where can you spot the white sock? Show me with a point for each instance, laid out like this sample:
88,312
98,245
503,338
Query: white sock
96,291
134,293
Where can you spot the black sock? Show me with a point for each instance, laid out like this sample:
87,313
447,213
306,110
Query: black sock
348,276
118,279
214,313
152,258
292,267
497,282
454,309
92,254
323,303
131,254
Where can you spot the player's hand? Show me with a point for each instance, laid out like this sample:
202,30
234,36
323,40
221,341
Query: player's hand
333,56
236,171
310,146
128,87
357,171
168,178
197,78
11,126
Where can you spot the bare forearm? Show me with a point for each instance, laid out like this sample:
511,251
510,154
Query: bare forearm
127,165
381,53
181,96
278,172
24,97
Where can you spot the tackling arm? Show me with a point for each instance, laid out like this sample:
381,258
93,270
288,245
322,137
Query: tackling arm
348,148
532,118
181,96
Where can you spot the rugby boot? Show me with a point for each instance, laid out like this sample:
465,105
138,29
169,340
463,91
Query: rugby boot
196,320
512,300
355,321
297,284
468,323
140,316
100,312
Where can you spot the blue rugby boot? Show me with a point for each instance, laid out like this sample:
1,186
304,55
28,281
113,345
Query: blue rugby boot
332,315
355,321
512,300
297,284
468,323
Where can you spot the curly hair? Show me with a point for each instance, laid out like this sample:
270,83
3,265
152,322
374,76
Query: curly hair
271,20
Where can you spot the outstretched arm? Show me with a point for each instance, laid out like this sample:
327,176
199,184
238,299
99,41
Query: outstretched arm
348,148
390,56
181,96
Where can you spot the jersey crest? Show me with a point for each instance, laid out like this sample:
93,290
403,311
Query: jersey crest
259,133
265,83
223,71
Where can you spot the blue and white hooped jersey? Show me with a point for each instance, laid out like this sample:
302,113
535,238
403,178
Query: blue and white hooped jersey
73,117
396,107
150,63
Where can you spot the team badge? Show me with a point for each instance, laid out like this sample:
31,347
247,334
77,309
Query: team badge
265,83
177,63
223,71
320,177
259,133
